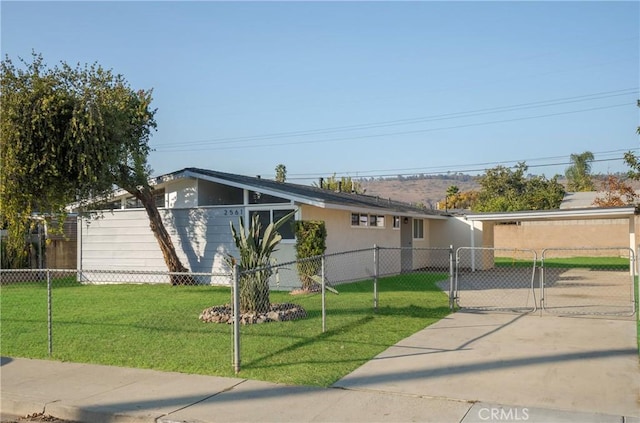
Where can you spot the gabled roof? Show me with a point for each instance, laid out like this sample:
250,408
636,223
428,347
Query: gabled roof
306,194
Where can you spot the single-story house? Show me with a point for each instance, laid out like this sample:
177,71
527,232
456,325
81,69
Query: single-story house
198,206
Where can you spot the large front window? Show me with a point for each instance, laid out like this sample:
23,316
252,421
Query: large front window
271,216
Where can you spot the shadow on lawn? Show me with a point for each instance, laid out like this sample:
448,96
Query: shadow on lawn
368,315
255,364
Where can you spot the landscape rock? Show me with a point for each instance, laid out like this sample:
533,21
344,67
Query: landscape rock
277,313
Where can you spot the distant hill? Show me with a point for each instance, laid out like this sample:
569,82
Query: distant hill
426,190
430,189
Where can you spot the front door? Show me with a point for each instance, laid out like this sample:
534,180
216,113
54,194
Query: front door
406,242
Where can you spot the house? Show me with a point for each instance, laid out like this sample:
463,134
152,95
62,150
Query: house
198,206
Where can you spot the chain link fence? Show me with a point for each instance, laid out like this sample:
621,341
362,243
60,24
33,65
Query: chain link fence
496,279
132,319
194,322
326,295
567,281
588,281
292,314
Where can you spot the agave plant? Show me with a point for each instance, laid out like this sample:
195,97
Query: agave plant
255,261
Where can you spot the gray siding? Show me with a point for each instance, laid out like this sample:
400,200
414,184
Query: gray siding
122,240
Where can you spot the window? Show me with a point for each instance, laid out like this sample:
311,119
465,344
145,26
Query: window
134,203
271,216
376,221
159,198
286,230
418,229
358,219
373,220
396,222
261,198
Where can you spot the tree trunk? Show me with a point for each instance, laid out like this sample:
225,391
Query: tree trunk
145,195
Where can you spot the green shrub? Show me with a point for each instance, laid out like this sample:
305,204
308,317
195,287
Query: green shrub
311,236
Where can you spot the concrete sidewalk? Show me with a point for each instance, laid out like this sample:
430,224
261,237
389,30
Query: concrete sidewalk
94,394
467,368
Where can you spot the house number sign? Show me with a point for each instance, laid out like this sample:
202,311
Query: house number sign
232,212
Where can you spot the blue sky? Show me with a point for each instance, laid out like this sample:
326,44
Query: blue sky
361,89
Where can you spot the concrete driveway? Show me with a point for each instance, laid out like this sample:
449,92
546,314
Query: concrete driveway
529,360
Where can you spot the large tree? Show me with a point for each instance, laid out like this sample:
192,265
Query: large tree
578,174
504,189
615,192
70,134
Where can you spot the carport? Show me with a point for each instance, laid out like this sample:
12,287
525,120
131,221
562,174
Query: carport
484,223
582,263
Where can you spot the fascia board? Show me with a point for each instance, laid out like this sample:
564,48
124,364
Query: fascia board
556,215
370,210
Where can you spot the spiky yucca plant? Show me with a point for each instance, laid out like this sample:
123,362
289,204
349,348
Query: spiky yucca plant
255,262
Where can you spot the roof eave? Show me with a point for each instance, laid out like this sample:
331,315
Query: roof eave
564,214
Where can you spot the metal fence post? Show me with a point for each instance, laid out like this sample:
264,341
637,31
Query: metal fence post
236,319
634,286
542,282
324,296
49,314
376,272
451,293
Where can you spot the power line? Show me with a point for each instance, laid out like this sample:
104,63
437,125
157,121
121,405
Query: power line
466,168
416,131
447,168
406,121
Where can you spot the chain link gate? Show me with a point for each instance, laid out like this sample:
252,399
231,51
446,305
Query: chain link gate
495,279
588,281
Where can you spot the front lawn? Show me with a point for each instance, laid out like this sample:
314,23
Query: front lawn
157,327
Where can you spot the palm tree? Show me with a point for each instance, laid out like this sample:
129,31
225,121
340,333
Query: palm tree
579,173
451,191
281,173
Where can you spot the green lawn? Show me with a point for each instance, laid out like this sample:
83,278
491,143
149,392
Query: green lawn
157,327
612,263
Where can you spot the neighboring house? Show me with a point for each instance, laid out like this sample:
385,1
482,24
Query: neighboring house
198,206
579,200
